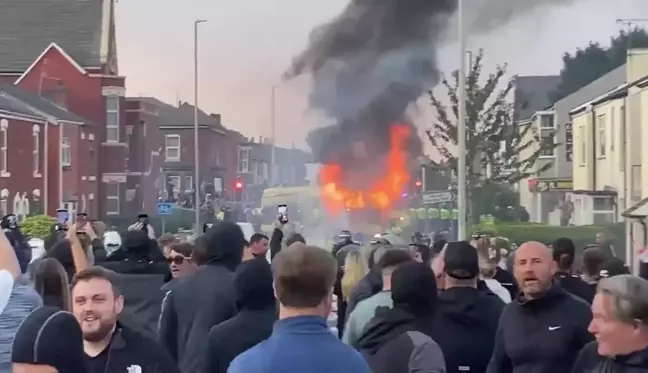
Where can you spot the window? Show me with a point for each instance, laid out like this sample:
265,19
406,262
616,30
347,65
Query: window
603,210
547,121
188,183
243,160
36,151
66,157
112,118
112,198
635,183
172,148
612,129
547,143
4,142
175,181
601,130
582,136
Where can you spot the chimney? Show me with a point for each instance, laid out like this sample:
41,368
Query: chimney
217,118
57,94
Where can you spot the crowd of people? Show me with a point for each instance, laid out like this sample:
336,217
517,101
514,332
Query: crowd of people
226,303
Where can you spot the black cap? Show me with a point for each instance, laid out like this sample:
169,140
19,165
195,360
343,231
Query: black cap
49,336
613,267
461,261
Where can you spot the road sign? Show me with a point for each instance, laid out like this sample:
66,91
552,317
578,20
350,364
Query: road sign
164,208
430,198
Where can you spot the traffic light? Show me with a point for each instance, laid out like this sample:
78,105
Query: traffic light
238,191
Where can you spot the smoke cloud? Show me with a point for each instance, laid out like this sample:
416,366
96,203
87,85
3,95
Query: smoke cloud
367,66
375,59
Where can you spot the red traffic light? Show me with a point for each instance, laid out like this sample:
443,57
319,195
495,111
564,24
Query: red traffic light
419,183
238,185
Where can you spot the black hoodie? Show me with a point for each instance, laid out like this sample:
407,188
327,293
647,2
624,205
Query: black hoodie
398,340
198,302
465,326
253,324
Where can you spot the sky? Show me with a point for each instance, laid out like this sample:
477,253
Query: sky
244,49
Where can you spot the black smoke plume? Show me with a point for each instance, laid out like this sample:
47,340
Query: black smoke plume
367,66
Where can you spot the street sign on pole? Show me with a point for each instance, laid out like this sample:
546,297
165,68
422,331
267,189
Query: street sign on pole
430,198
164,208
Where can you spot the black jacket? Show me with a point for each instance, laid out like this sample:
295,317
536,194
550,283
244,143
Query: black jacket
464,327
194,305
576,286
541,335
589,361
129,348
395,341
275,242
253,323
507,280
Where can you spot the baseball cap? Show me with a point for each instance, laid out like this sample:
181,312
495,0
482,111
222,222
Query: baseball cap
461,260
613,267
49,336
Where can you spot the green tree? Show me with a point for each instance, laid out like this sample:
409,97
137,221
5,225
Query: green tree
590,63
37,226
497,151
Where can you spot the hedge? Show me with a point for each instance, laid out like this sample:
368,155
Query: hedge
581,235
37,226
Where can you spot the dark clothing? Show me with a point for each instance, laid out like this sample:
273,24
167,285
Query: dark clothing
97,364
589,361
275,242
576,286
369,285
297,345
464,327
194,305
129,348
395,341
253,323
507,280
541,335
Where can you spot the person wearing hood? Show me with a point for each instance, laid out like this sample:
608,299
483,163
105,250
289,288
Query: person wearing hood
366,309
256,303
141,271
206,298
620,325
398,340
466,318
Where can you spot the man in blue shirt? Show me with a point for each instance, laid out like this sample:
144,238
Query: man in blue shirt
301,340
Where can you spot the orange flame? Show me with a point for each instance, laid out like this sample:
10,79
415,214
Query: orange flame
382,193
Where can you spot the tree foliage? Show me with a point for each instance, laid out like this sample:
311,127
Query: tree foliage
37,226
493,142
590,63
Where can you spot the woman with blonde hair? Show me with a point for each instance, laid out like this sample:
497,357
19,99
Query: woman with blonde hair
355,268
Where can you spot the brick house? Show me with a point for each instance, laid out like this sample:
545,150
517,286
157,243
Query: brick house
68,53
176,141
37,168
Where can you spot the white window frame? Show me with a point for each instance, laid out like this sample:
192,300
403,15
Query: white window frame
542,122
244,162
188,180
36,152
611,213
167,147
601,136
542,135
66,153
4,148
112,198
109,127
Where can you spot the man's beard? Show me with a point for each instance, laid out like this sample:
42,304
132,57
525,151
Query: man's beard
105,328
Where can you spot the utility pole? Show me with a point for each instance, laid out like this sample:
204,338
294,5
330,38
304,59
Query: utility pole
273,134
461,129
196,180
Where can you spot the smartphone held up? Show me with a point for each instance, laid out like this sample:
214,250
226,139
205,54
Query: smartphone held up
282,213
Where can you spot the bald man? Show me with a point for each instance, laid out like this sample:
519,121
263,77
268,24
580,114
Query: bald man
545,327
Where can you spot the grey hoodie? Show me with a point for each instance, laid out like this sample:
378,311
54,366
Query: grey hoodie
23,300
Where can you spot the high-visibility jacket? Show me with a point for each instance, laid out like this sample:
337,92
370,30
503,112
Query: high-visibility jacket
445,214
421,213
455,214
433,213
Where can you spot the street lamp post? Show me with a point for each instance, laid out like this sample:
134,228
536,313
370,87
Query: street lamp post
196,131
273,134
461,128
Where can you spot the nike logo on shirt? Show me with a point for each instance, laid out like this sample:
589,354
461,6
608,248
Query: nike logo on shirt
554,327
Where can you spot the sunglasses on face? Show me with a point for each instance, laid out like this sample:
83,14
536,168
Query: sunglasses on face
177,260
